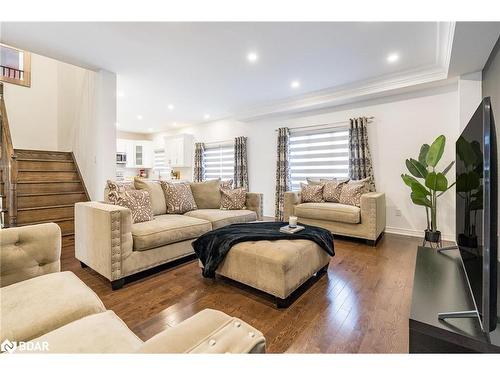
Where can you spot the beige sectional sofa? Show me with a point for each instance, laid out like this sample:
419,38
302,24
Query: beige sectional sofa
56,312
365,222
109,242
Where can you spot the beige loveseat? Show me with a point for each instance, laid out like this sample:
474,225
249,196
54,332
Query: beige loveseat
107,241
365,222
44,310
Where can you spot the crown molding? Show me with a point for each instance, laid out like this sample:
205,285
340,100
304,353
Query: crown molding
387,85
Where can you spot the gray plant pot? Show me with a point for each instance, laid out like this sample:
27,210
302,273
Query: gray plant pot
431,236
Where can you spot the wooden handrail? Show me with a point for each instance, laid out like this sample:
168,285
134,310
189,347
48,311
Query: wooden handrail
8,163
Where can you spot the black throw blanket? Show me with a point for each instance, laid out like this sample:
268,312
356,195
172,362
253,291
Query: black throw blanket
213,246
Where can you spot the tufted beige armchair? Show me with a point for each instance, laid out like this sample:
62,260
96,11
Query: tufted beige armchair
28,252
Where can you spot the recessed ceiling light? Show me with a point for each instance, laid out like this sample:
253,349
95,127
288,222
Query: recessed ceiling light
252,57
392,58
139,117
206,117
170,107
295,84
120,94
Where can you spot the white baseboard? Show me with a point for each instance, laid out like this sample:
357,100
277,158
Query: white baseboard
415,233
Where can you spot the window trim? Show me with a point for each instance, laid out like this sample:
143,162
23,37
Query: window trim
26,81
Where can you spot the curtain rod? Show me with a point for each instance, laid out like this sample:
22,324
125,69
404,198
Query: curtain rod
331,124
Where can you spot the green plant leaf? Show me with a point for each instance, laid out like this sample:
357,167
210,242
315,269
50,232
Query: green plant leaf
414,184
416,168
423,154
436,151
447,169
420,200
436,181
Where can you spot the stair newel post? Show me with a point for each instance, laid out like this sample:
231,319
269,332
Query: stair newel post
13,192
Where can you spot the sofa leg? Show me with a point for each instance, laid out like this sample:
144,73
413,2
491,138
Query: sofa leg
371,242
117,284
83,265
283,303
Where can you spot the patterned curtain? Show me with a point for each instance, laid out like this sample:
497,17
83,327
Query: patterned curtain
282,170
240,163
199,165
360,160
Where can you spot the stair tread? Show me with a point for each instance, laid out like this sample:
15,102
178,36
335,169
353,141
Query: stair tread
47,221
53,193
46,170
44,160
45,207
46,181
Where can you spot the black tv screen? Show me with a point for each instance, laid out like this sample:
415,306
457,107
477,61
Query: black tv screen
476,210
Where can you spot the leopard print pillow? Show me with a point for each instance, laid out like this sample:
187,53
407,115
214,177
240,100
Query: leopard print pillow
351,194
233,199
311,193
332,190
138,202
115,188
178,197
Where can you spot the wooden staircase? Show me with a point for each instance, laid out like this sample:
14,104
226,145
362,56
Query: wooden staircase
39,186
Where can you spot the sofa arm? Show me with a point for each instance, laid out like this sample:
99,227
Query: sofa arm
30,251
291,199
373,212
103,237
254,202
209,331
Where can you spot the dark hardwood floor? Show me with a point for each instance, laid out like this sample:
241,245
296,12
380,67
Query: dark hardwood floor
361,305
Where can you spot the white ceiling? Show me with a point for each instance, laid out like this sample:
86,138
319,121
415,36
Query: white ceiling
202,68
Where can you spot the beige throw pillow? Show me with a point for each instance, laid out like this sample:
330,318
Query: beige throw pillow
114,187
206,194
178,197
233,199
351,194
311,193
155,192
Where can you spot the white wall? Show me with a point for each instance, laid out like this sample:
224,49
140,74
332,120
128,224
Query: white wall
402,123
67,108
469,96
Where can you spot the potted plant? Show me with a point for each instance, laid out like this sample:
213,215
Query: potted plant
434,185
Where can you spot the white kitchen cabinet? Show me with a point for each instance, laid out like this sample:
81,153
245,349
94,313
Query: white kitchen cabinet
139,153
179,151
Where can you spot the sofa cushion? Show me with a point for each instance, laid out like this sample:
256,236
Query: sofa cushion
167,229
329,211
221,218
138,202
206,194
98,333
351,194
178,197
156,194
311,193
36,306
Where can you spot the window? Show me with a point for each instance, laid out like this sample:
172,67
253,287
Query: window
15,65
318,154
219,161
160,163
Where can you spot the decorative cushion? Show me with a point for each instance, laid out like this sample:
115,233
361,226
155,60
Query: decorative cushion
364,182
228,184
332,190
351,194
312,193
155,193
206,194
138,202
114,187
233,199
178,197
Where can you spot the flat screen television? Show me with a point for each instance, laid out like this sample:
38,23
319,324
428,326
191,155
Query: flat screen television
476,211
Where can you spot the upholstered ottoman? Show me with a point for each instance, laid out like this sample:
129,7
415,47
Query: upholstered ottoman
276,267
